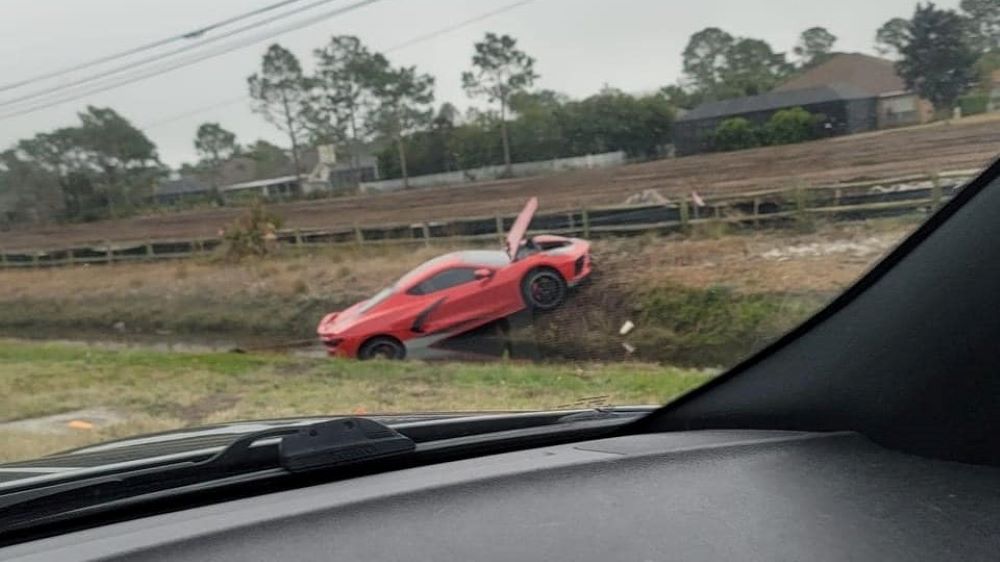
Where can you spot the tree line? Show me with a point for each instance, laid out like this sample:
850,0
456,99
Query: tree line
357,99
360,101
940,54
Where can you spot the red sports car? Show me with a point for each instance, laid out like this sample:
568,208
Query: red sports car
459,292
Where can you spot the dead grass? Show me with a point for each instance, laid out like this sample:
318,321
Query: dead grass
349,274
319,272
755,262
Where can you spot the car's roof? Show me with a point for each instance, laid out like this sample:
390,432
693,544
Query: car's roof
475,258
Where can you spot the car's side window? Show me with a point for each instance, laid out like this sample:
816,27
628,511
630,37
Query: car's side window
444,280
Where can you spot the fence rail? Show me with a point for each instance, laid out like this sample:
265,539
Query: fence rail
848,201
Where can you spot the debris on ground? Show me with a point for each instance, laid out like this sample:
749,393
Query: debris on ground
67,422
647,197
864,248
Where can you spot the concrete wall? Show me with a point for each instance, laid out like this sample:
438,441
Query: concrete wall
523,169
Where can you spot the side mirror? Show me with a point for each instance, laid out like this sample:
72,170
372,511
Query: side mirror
483,273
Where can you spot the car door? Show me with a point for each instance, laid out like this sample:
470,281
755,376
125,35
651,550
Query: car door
457,298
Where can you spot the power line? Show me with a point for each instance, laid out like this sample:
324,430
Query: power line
187,62
217,105
146,47
456,26
60,88
409,42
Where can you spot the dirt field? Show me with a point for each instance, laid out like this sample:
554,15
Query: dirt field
969,143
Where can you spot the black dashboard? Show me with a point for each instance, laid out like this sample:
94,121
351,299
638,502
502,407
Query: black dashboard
696,495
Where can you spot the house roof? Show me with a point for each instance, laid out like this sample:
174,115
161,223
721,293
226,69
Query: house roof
182,186
871,74
261,183
775,100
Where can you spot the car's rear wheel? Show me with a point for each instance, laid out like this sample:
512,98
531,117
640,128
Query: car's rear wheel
543,289
382,347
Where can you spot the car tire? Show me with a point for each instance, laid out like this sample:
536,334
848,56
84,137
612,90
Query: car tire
382,347
543,289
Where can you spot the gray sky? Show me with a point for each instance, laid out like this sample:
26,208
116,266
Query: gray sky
579,46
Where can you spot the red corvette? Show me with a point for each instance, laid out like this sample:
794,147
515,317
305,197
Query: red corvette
458,292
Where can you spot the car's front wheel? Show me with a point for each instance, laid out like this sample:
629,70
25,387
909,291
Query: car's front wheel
543,289
382,347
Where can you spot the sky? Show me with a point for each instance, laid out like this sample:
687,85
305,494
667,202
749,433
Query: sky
579,46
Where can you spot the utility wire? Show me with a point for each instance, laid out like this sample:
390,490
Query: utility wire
60,88
409,42
217,105
121,81
146,47
456,26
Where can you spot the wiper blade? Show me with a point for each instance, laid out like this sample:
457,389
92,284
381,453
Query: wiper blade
292,456
323,445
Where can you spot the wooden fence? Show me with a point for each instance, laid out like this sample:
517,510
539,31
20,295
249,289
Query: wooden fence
758,209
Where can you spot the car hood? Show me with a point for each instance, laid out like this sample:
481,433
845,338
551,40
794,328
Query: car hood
336,322
520,227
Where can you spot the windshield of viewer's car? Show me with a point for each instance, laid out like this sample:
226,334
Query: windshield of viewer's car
191,197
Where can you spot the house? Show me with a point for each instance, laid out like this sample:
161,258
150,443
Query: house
179,187
895,106
854,93
847,109
284,187
333,172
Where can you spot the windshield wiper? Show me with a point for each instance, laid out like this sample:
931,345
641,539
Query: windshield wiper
323,445
293,456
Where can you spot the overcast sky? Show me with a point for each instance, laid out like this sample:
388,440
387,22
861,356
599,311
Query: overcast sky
579,46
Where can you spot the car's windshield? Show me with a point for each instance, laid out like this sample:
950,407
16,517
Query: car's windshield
192,193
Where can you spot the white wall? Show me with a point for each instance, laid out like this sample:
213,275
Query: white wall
522,169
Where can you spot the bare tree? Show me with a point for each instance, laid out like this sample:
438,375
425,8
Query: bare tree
279,92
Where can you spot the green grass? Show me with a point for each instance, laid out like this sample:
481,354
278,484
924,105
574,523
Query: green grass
161,390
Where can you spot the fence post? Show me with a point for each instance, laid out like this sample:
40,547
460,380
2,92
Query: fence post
836,197
499,221
685,213
756,212
70,258
149,249
802,221
298,238
585,218
108,253
34,259
359,237
935,191
427,233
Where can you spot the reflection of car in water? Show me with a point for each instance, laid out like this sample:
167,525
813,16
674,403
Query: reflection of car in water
459,292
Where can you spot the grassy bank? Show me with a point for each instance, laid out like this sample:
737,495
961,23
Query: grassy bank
156,391
697,300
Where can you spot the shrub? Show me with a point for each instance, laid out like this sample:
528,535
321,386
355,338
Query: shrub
735,134
789,126
973,104
253,234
